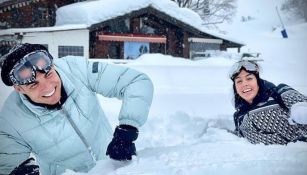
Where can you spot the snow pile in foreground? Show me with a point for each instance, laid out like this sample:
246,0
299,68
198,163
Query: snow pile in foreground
187,128
182,144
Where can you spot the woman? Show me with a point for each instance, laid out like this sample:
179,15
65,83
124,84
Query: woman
263,110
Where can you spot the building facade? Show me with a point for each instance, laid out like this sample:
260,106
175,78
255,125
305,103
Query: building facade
29,13
126,36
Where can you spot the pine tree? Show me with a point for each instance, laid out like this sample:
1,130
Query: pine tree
212,12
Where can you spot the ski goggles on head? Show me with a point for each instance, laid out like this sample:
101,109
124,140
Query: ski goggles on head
247,65
24,71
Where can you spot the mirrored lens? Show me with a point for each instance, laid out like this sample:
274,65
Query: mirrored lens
40,60
250,66
23,74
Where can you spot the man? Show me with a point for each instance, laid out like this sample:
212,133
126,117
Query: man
55,115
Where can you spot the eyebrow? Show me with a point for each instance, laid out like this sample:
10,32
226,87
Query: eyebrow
245,75
248,74
35,82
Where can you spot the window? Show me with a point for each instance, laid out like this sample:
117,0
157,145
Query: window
70,50
114,50
202,49
16,17
42,13
146,28
119,26
204,46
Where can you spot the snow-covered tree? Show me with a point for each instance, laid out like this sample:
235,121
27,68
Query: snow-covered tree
296,7
211,11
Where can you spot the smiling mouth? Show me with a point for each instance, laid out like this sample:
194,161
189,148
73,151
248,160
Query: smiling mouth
50,93
247,90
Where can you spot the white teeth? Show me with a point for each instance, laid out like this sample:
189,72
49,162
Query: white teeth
246,90
50,94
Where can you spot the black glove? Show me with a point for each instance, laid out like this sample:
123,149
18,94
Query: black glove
122,147
26,168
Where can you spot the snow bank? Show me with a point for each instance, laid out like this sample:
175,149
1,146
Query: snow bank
92,12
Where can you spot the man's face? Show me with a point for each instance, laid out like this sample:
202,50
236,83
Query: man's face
45,90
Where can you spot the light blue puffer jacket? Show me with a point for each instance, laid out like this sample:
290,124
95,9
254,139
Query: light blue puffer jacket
52,135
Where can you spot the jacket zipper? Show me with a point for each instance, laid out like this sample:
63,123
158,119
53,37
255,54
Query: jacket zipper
83,139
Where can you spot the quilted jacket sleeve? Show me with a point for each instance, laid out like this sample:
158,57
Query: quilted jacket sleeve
134,88
13,150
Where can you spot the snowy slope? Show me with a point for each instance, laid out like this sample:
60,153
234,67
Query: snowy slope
262,34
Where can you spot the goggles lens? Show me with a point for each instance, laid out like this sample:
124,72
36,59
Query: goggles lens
248,65
24,72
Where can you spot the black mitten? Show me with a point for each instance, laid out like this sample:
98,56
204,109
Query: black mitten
122,147
26,168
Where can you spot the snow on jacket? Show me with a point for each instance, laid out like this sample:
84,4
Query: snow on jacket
51,135
266,119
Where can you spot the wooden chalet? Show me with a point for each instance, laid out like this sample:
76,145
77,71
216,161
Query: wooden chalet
125,36
159,31
29,13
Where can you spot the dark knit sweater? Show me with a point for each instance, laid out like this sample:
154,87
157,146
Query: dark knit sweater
266,119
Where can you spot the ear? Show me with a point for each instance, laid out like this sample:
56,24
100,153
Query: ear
18,89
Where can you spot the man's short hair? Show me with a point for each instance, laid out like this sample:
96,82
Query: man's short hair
14,55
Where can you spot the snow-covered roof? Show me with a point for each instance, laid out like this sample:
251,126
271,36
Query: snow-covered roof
93,12
12,31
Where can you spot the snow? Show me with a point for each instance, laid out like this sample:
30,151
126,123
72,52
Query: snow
93,12
187,127
186,132
299,113
13,31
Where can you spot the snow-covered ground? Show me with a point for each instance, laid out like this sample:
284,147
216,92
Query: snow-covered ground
192,106
185,132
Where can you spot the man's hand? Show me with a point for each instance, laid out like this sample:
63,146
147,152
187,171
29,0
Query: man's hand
26,168
122,147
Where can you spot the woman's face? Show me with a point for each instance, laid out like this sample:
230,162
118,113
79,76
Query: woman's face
246,86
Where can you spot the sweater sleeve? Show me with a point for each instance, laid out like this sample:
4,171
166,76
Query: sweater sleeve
237,120
289,95
13,150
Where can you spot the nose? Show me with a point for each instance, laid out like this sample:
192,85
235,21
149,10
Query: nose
41,79
39,76
244,82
